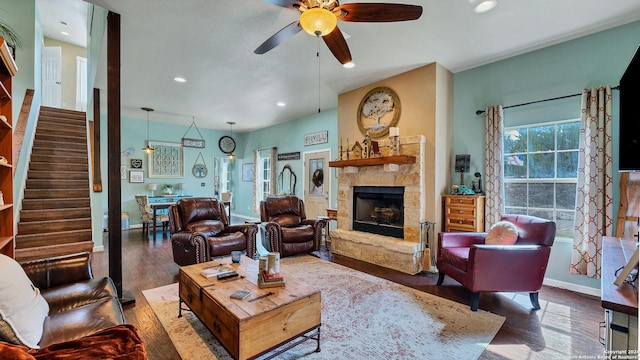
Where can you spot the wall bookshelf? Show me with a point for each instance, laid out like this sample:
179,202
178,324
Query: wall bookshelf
8,69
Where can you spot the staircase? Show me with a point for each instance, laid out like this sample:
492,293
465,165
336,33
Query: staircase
56,211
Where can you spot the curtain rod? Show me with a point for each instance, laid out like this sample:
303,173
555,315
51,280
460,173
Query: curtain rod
480,112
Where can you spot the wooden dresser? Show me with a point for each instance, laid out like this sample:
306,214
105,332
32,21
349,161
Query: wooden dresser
463,213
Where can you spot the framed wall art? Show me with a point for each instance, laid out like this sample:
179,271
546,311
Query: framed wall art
378,111
247,172
123,172
136,163
136,176
167,161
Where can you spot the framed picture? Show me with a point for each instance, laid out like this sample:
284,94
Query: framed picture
136,176
136,163
167,161
123,172
247,172
378,111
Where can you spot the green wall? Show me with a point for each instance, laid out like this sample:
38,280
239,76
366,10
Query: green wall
559,70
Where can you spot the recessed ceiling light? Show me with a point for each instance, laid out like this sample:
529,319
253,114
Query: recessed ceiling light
281,104
349,65
179,79
483,6
65,33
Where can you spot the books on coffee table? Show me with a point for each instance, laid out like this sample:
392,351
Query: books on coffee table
265,280
217,271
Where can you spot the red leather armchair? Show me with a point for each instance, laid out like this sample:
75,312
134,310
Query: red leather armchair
287,226
495,268
200,231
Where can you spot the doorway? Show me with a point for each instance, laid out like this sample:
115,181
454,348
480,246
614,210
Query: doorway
317,187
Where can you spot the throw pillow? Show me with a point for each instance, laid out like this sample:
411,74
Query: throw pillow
22,307
502,233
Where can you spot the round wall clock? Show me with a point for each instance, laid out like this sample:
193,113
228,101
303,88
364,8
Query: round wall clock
378,110
226,144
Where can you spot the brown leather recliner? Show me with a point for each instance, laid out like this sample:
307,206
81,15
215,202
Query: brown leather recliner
289,230
200,231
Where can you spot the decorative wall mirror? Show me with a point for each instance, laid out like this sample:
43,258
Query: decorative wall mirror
287,181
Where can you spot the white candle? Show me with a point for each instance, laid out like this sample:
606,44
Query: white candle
394,131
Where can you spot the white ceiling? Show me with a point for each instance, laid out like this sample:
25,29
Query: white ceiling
211,43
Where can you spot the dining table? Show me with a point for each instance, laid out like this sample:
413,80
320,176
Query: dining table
154,209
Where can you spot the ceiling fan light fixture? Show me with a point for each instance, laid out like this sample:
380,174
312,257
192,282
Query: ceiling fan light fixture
318,21
483,6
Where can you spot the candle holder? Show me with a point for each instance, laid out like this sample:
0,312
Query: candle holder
341,150
394,145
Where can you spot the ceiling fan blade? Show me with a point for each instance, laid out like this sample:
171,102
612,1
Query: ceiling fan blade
338,46
377,12
283,3
279,37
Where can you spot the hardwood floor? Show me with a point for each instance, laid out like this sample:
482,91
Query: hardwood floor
566,327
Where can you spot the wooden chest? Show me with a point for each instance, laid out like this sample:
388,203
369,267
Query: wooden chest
249,328
463,213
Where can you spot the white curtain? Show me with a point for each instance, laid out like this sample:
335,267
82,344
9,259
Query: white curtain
594,198
259,174
494,191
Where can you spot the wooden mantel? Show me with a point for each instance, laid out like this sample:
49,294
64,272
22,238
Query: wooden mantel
397,160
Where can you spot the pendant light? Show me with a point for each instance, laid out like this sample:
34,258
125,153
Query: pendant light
231,156
148,149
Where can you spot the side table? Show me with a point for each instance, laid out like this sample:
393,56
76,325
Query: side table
325,231
332,214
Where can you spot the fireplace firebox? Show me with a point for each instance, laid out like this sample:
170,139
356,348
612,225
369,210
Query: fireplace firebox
379,210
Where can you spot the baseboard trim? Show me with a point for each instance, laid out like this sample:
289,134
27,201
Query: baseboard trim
98,248
572,287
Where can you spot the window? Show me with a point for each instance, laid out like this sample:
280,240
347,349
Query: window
264,178
541,170
226,173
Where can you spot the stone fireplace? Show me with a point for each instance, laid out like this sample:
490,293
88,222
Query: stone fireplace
403,248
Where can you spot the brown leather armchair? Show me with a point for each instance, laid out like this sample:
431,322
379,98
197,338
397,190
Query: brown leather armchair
479,267
200,231
287,226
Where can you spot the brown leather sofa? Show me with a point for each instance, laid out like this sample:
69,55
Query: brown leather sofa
287,226
79,305
200,231
85,319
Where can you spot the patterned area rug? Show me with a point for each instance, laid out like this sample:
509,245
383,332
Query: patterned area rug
363,317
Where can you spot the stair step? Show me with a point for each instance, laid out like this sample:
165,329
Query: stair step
60,139
62,129
56,184
61,121
55,194
52,151
58,214
48,144
61,113
62,175
48,158
45,226
51,166
40,252
41,204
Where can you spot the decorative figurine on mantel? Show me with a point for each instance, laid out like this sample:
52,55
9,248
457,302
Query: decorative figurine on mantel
356,151
367,146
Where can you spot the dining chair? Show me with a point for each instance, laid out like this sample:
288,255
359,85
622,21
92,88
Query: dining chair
146,216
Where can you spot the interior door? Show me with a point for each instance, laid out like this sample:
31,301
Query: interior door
316,183
52,76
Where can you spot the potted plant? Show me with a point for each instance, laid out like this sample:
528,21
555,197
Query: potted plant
167,189
10,36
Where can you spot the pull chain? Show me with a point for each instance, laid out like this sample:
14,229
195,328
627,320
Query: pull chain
318,56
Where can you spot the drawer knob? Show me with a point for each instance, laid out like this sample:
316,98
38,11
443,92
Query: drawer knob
460,211
460,222
460,201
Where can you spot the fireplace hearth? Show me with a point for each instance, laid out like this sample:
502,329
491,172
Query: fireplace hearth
379,210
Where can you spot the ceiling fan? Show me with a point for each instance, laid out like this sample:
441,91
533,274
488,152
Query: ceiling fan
320,17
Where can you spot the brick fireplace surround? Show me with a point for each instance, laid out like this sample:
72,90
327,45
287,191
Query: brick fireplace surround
405,255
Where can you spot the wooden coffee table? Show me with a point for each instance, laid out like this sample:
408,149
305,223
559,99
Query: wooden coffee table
251,327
